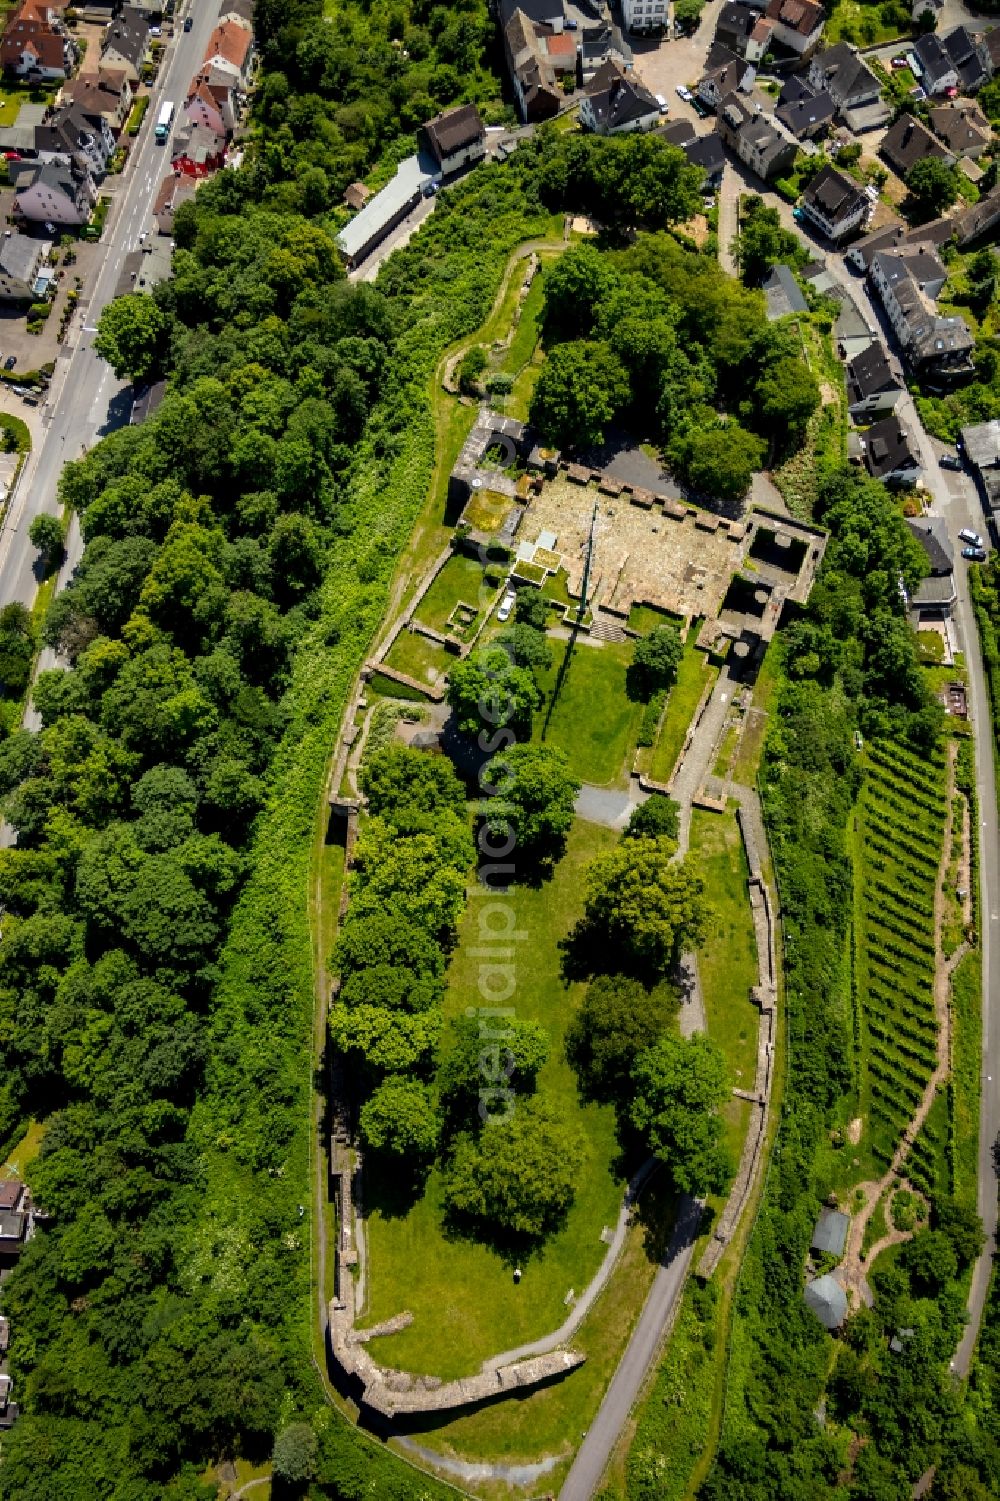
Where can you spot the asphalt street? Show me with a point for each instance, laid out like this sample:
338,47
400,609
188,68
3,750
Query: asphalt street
641,1352
85,400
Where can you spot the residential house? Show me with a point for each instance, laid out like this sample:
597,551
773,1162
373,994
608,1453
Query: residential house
36,49
231,47
210,101
617,103
962,127
835,204
755,139
970,58
845,76
386,209
972,223
783,294
455,139
14,1219
907,283
21,259
197,151
989,44
871,385
67,133
706,152
934,597
53,192
804,114
125,44
532,70
106,95
174,190
908,142
724,74
852,333
894,237
888,453
644,15
797,24
981,447
936,67
743,30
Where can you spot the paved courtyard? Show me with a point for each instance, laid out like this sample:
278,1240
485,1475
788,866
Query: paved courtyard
681,562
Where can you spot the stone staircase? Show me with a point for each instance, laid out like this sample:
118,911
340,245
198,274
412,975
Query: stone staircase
606,629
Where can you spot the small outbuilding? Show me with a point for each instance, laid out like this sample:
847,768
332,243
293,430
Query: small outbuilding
830,1234
828,1301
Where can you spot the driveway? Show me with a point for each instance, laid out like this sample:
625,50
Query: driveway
663,65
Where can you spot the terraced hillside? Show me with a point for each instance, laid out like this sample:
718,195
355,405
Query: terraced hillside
900,825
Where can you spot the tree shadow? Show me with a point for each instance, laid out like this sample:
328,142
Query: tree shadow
392,1187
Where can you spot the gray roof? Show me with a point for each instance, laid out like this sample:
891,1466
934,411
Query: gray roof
830,1233
783,294
887,449
411,177
870,374
981,442
851,323
908,142
932,534
128,35
932,57
706,152
837,197
845,73
828,1301
618,98
936,591
807,113
19,256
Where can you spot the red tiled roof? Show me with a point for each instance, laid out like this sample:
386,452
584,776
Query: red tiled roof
231,42
22,35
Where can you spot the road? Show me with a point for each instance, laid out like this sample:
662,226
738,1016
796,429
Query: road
641,1352
85,400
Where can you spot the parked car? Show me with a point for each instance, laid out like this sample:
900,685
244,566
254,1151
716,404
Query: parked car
974,554
188,23
506,606
918,93
10,362
683,92
899,62
798,215
968,535
155,31
700,109
662,103
950,461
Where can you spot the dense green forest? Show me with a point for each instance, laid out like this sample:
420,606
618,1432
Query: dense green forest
155,974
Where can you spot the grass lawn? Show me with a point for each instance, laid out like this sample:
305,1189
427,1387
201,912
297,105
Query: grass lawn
645,618
553,1420
966,1013
418,657
930,646
591,719
528,331
464,1301
728,962
694,672
459,582
519,401
486,510
386,687
24,1152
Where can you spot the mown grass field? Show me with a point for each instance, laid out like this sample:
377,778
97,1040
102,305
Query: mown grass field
464,1300
727,963
591,718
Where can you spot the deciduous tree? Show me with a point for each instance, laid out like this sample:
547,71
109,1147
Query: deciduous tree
680,1084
